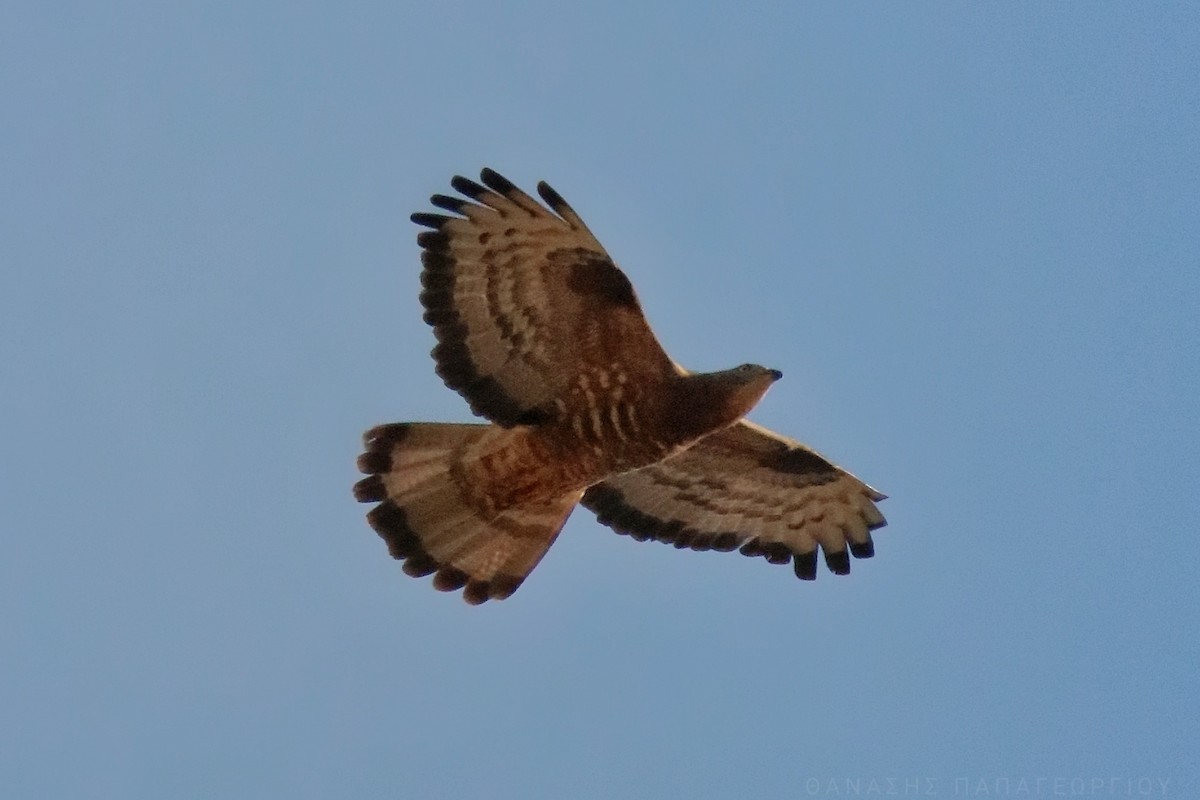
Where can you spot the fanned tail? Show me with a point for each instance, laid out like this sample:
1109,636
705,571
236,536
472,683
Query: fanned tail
435,524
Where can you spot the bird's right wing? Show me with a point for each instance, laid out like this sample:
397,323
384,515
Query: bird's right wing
526,305
751,489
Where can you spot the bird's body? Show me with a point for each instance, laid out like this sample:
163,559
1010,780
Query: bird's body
541,333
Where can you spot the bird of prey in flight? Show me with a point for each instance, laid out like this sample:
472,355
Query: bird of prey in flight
543,336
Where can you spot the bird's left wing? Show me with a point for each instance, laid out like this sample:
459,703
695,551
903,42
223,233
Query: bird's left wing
751,489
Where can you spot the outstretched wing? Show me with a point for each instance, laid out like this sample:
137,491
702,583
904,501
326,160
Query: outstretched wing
524,301
746,487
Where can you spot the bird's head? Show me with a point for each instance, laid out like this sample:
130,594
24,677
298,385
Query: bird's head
747,384
736,391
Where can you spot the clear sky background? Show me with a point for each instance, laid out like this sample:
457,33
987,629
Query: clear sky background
966,233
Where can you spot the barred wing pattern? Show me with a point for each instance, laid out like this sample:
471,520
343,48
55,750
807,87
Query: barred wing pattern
751,489
524,301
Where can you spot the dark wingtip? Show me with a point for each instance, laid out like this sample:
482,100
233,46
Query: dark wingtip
752,549
725,542
418,565
467,187
386,435
838,562
495,181
454,204
428,220
447,579
370,490
862,549
554,199
503,585
373,462
805,565
776,552
432,240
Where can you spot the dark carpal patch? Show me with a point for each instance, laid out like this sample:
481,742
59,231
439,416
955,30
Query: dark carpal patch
594,275
799,461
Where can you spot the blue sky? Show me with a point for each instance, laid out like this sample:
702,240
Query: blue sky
965,232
